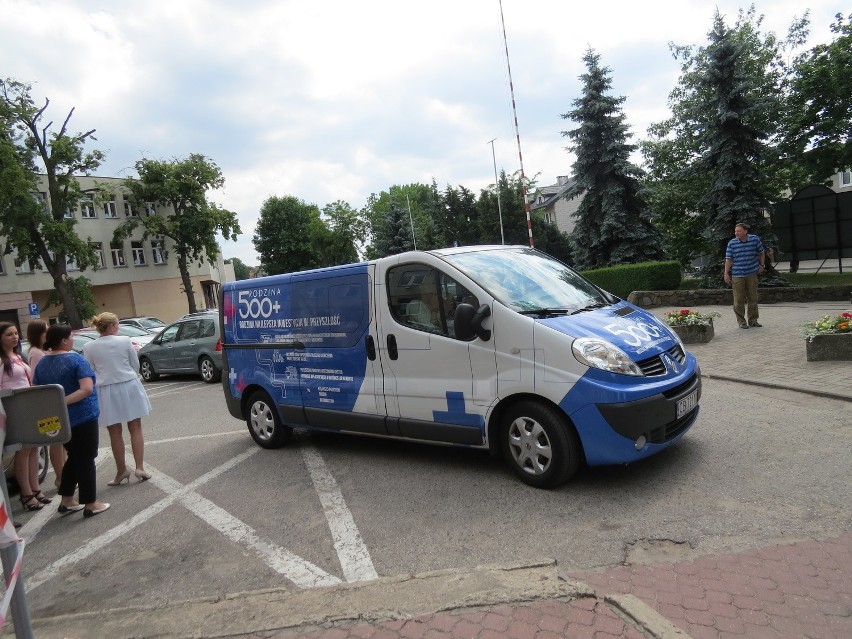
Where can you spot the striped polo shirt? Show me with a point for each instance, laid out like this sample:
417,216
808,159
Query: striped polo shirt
743,255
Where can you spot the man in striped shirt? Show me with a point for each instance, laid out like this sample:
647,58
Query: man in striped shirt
744,259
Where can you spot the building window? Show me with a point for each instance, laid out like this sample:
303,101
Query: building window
129,211
87,208
69,214
98,248
109,209
117,251
23,267
138,253
71,264
150,208
2,268
846,177
41,198
159,251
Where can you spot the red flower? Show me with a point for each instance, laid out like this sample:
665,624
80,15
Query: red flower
684,312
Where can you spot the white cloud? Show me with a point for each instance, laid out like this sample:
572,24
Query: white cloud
336,99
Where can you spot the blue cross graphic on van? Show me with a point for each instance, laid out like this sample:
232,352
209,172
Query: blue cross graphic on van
456,414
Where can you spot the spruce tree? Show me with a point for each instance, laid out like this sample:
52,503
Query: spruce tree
394,235
613,222
733,148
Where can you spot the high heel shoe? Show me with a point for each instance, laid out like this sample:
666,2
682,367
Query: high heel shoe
25,502
142,475
42,498
120,478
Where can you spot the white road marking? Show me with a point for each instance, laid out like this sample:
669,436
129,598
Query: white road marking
300,571
354,556
92,546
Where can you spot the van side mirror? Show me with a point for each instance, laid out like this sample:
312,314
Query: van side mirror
468,322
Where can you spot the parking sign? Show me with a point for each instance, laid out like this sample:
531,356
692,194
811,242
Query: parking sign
34,310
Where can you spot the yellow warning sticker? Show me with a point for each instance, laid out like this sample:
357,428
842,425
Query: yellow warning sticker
49,426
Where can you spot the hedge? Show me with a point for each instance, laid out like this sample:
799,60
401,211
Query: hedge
646,276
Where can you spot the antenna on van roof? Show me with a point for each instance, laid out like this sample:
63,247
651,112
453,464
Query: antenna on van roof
411,221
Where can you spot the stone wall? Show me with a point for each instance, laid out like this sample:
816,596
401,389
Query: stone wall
724,296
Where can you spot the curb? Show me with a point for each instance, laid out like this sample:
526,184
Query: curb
247,613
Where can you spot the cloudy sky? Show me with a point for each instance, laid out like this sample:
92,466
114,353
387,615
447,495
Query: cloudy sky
336,99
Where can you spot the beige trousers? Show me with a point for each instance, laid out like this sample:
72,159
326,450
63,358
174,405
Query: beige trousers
745,292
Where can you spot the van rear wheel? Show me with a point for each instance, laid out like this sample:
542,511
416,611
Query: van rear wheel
263,421
539,444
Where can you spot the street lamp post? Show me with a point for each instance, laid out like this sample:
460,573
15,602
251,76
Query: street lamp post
497,188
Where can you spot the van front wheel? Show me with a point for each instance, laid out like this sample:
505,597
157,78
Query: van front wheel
539,444
264,424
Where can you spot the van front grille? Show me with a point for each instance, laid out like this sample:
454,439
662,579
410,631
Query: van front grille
655,365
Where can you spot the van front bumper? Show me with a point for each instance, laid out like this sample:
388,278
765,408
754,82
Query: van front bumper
659,418
639,422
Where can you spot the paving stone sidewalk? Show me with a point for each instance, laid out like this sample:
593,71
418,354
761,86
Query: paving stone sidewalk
790,591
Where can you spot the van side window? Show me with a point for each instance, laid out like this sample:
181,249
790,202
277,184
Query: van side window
424,298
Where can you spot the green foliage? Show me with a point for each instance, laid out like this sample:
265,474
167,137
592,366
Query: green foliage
730,93
39,231
81,293
393,236
648,276
613,223
283,235
193,222
818,109
347,230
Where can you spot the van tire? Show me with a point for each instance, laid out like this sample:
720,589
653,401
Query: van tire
208,371
529,424
146,370
264,423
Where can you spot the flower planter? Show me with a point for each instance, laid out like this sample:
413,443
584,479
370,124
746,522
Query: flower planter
694,333
829,347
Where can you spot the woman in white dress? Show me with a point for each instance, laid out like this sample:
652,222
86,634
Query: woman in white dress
120,394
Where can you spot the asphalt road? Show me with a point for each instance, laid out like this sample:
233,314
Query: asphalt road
222,515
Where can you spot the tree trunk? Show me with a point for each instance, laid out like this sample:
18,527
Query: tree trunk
63,287
187,284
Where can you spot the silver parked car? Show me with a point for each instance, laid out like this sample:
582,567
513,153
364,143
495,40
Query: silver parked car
190,345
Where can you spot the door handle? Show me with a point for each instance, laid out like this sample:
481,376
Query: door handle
392,350
371,348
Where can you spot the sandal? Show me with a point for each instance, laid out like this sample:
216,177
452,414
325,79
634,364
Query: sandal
25,502
42,498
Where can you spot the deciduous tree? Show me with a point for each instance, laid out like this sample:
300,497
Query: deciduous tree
185,214
818,109
41,233
283,235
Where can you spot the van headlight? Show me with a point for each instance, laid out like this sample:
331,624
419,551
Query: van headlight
598,353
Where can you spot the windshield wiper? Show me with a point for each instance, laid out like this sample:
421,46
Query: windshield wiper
591,307
547,312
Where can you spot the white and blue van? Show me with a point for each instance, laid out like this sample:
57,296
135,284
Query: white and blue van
491,347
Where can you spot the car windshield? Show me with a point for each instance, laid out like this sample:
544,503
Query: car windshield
151,322
529,281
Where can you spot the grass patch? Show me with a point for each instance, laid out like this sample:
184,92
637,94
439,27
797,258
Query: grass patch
818,279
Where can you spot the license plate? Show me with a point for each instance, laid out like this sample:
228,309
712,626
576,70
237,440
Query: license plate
687,404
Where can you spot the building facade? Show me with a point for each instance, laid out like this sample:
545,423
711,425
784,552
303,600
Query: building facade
135,277
550,204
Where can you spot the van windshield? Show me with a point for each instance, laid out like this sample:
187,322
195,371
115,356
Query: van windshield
530,281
